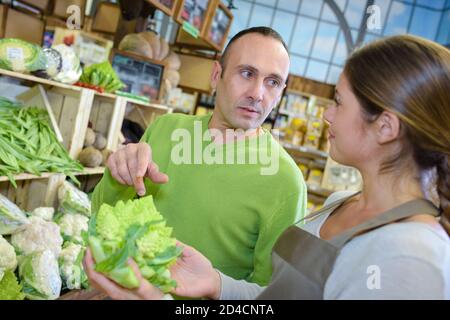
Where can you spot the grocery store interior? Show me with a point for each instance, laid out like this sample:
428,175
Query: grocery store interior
81,79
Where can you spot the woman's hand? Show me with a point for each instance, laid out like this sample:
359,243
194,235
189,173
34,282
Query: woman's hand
145,291
195,275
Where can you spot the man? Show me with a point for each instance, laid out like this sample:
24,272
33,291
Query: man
230,210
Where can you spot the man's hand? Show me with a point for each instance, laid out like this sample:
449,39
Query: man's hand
132,163
195,275
145,291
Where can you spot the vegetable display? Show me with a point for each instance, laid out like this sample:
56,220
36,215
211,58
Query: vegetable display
102,77
28,144
45,252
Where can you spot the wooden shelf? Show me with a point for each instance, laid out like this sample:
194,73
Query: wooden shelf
319,191
308,95
290,113
304,151
32,78
52,83
28,176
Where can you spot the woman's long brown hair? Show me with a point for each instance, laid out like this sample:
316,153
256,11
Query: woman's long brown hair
409,76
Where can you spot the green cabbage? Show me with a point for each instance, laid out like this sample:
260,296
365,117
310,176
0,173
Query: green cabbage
19,55
134,229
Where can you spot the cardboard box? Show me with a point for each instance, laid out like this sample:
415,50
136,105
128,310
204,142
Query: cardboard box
106,18
42,5
195,73
3,10
23,26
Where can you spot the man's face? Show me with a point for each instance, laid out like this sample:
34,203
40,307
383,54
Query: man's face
251,85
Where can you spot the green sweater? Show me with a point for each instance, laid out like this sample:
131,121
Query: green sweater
231,213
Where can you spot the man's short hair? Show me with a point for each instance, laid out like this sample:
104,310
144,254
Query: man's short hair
265,31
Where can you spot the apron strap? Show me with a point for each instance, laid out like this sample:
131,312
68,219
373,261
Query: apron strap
405,210
326,208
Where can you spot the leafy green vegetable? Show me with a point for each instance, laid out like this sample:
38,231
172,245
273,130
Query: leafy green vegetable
102,75
136,230
28,144
19,55
10,289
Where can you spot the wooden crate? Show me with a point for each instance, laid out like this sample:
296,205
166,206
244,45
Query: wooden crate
68,111
106,117
33,193
144,114
71,108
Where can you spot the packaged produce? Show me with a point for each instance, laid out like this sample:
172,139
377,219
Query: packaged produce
12,219
72,200
70,69
21,56
39,274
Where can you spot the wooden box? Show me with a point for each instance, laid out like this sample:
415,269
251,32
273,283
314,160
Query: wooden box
195,12
166,6
218,26
107,17
33,192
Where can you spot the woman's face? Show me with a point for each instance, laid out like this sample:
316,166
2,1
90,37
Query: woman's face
351,141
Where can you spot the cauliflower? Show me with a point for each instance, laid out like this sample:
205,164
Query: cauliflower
133,229
12,219
45,213
72,200
39,275
70,266
38,235
72,225
8,259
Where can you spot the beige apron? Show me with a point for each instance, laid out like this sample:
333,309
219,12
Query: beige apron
303,262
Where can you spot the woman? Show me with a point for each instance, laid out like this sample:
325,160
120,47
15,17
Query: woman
391,122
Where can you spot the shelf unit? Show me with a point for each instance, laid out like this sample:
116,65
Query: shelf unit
71,110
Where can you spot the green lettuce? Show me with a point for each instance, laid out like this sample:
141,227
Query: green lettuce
10,289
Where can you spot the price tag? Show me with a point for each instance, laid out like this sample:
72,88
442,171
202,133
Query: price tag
189,28
14,53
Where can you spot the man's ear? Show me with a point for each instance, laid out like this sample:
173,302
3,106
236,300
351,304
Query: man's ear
388,127
216,74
